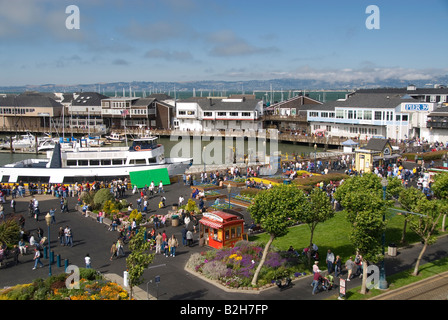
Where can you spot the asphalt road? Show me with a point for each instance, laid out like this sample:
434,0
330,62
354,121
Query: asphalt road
175,282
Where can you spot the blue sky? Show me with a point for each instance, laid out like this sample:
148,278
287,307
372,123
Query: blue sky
185,40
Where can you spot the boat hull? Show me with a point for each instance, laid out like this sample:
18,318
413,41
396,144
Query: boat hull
32,172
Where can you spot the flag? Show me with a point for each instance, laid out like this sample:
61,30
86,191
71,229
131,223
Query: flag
124,113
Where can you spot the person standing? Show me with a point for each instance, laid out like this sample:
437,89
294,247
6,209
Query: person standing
61,236
159,243
37,259
184,236
189,238
2,212
173,243
337,266
330,260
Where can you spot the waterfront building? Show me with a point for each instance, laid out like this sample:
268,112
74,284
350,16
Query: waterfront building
397,114
289,115
206,114
83,111
29,111
136,112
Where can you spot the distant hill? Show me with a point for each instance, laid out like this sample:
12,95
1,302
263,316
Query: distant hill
220,86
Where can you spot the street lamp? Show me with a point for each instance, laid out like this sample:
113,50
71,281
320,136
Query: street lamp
203,156
229,189
315,156
48,220
382,282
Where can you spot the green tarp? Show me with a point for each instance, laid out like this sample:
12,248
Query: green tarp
142,178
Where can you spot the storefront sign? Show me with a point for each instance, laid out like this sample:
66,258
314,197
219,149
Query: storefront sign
212,216
416,107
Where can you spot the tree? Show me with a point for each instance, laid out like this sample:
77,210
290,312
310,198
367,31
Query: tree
408,200
362,199
440,189
9,232
424,224
138,260
319,210
275,210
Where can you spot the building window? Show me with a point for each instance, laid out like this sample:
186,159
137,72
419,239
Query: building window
378,115
367,115
245,114
234,114
404,117
222,114
182,113
207,114
339,114
314,114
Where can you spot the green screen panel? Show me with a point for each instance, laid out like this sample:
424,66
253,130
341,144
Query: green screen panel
142,178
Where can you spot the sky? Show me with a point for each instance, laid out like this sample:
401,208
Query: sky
225,40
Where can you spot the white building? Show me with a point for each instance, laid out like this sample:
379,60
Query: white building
205,114
389,113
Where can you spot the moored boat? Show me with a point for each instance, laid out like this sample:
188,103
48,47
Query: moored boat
70,165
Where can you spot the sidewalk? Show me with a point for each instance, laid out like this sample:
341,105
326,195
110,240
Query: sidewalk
139,294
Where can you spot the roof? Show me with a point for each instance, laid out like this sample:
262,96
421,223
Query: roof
376,144
417,91
227,104
438,110
143,102
160,96
87,99
28,99
296,102
367,100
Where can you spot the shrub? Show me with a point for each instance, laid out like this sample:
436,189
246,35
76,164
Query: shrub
101,196
214,270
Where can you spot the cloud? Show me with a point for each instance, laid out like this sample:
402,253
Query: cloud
169,55
157,31
226,44
120,62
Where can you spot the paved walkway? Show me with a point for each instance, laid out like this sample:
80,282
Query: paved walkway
176,283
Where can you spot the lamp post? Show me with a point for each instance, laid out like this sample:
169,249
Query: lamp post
382,282
203,156
229,189
315,156
48,220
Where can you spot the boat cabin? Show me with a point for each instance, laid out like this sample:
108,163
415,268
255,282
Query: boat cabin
144,144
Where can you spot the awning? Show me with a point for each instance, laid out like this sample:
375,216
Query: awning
211,224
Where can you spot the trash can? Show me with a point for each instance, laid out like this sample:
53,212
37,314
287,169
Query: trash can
392,250
174,221
125,279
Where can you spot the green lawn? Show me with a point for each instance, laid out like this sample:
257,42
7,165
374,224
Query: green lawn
334,235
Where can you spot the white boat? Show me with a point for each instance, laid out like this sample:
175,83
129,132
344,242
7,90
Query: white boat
70,165
24,141
116,137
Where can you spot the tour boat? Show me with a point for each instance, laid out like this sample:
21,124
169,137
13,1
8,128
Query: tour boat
77,164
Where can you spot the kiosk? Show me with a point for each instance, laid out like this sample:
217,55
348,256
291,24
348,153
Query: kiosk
219,229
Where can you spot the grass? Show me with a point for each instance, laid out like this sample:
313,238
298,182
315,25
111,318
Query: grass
334,235
400,279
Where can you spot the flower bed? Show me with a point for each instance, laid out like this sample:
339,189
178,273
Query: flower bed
206,186
212,195
235,267
222,206
91,287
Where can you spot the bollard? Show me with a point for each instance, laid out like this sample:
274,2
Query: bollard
51,257
66,264
58,260
45,253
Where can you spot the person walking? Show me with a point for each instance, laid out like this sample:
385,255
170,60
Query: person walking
37,259
113,250
330,261
13,205
165,248
317,278
349,265
88,261
52,214
120,247
184,236
2,212
173,244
